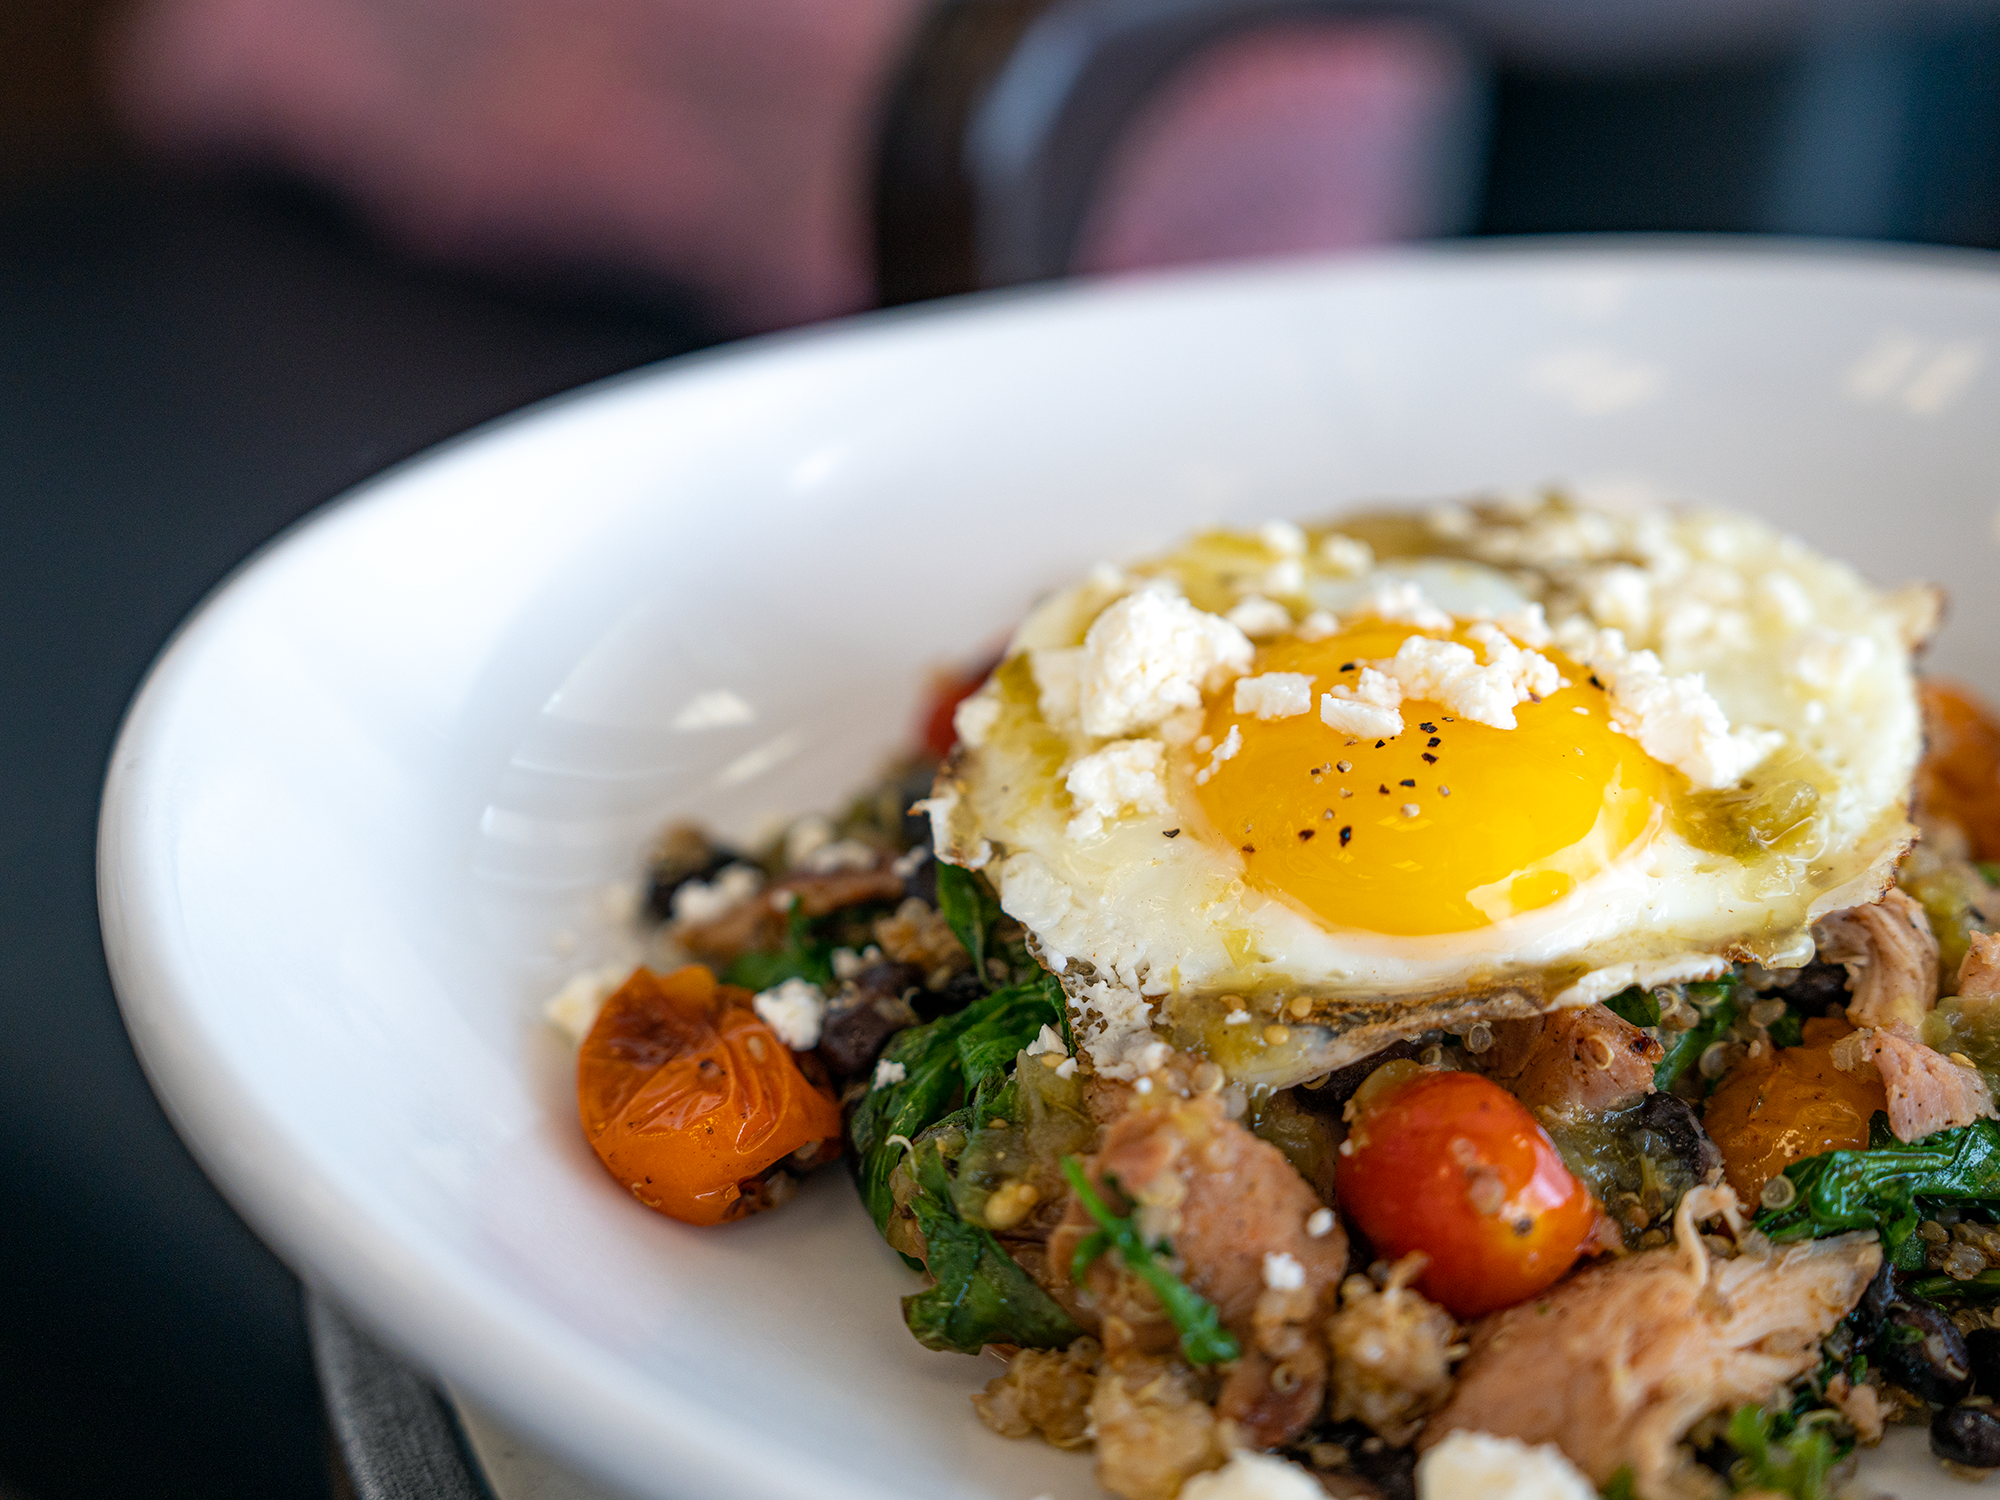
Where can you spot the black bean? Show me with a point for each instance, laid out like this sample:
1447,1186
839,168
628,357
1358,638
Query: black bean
1673,1120
1921,1351
1968,1435
865,1015
1818,989
1874,1305
1982,1346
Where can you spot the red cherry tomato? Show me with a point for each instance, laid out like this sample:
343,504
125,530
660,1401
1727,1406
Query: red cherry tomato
1453,1165
939,734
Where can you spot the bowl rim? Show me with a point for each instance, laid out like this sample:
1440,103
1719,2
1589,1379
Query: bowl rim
523,1362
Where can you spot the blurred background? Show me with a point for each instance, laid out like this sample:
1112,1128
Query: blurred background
252,251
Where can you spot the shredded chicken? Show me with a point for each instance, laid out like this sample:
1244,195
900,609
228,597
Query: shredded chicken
1153,1427
1230,1205
1392,1353
1862,1405
1617,1363
1572,1062
1891,955
1044,1392
759,921
1979,975
1928,1092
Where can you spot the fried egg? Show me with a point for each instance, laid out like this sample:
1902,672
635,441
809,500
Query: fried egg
1284,795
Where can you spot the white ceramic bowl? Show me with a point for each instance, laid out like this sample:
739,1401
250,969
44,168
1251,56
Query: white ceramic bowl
391,768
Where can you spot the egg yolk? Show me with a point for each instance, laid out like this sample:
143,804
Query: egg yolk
1449,826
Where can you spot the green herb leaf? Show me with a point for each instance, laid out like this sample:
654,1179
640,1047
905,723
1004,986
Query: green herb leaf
1620,1486
969,910
1203,1338
1794,1462
1789,1030
953,1059
981,1297
1635,1005
1879,1187
804,956
1685,1050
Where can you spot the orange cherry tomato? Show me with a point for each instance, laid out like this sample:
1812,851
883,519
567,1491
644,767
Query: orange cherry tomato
1959,776
1453,1165
1790,1103
688,1098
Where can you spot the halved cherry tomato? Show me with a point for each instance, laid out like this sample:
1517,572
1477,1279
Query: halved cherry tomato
947,692
1959,776
1453,1165
688,1098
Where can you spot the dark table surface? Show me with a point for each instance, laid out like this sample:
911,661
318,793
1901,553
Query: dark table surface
185,368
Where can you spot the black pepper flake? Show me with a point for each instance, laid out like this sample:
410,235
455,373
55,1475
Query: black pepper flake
1170,833
1380,743
1249,848
1428,728
1435,742
1346,834
1406,782
1595,683
1384,790
1347,666
1304,834
1430,757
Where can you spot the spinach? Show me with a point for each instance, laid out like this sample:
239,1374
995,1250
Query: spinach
960,1057
805,955
1685,1050
1789,1030
1878,1188
969,909
1635,1005
1782,1453
1203,1338
981,1297
1620,1486
1984,1287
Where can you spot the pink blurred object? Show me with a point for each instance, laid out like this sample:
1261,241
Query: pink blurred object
728,146
1305,137
725,145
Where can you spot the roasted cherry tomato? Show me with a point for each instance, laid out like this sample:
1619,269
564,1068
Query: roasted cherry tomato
947,692
1788,1104
1959,777
689,1099
1453,1165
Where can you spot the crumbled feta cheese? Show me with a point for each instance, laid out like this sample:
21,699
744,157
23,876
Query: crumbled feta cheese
842,854
1402,602
1258,617
1345,555
1119,1032
1282,1272
794,1010
1066,1068
974,718
806,836
1370,709
1151,653
1829,660
1284,578
1317,626
1528,625
903,866
1785,597
1480,1466
887,1073
1620,595
704,901
1254,1476
1319,1223
1446,673
574,1007
1236,1017
1124,774
1224,751
1050,1040
1058,674
1676,720
1274,695
1283,537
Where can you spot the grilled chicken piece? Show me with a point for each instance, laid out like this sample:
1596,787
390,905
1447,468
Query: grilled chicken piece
1236,1213
1892,955
1572,1062
1928,1092
1979,975
1615,1365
